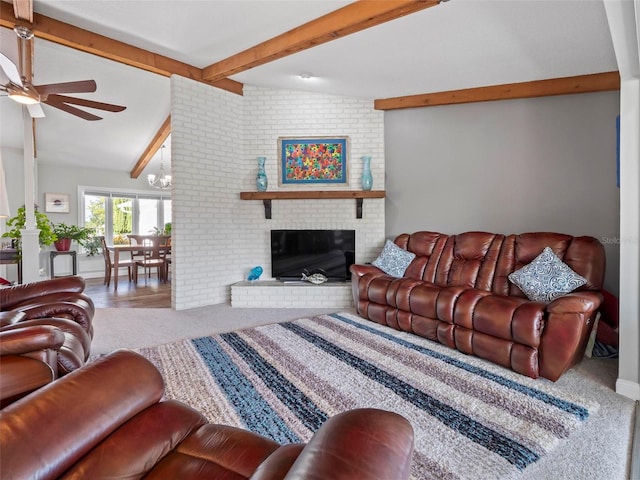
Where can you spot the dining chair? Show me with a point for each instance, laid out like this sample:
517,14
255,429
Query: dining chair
167,259
109,265
153,257
136,240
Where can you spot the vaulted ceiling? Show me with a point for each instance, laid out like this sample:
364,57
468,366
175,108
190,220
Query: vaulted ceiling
359,50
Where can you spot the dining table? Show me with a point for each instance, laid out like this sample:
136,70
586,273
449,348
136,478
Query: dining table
116,249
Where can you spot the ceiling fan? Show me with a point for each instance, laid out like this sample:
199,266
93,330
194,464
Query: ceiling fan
22,91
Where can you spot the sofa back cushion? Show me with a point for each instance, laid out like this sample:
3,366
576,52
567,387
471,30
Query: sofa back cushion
469,260
484,260
428,248
585,256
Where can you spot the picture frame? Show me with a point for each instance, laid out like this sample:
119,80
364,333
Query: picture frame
313,160
56,203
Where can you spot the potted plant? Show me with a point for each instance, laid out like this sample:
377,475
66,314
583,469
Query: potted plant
93,246
67,233
46,237
165,231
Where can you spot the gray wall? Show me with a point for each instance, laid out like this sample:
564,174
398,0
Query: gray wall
511,166
13,163
66,179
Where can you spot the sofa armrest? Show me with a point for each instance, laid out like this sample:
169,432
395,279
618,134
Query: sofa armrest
27,360
366,444
18,341
569,321
20,376
576,302
358,270
76,307
16,294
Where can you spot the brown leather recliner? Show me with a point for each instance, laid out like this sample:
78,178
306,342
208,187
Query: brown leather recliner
456,291
58,302
106,420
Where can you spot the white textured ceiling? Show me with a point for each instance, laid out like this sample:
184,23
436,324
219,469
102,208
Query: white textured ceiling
457,44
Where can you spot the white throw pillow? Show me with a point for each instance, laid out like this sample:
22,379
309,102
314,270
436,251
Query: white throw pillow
393,260
546,278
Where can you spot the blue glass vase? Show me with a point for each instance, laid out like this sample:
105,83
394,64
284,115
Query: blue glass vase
367,178
261,179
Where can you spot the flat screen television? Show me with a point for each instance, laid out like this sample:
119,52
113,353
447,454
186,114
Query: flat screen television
330,252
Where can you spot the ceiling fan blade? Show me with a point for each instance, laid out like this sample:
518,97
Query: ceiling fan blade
69,109
10,69
35,110
83,102
82,86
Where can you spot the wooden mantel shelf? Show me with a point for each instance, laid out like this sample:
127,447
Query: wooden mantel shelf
266,197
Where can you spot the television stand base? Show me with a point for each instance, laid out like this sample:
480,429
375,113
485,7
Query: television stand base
304,282
299,294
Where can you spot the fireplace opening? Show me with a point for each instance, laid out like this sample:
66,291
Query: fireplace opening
330,252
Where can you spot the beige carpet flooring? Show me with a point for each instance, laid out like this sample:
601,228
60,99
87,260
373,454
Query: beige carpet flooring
600,450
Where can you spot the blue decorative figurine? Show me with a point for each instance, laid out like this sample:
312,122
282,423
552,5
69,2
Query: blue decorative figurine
255,273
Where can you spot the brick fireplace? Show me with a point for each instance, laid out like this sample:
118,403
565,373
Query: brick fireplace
216,139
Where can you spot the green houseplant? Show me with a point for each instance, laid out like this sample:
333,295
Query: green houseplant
93,246
165,231
46,237
67,233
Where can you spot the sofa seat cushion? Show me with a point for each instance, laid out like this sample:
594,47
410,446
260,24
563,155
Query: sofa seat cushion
373,287
431,301
135,446
422,298
507,318
516,356
215,451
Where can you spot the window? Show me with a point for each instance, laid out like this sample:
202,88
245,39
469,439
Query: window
117,213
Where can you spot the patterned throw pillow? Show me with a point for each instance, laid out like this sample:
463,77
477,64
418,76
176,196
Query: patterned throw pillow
393,260
546,278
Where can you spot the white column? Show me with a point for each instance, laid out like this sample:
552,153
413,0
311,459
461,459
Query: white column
30,260
5,210
30,243
623,17
628,383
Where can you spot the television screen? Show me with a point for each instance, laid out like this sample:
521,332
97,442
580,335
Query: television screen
330,252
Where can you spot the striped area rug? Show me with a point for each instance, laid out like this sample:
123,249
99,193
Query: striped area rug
471,419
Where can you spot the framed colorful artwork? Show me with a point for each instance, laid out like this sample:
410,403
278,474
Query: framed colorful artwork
56,202
310,160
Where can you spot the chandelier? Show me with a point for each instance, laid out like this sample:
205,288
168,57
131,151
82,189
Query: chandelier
160,181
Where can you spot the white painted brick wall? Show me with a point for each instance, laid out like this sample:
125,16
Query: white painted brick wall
216,139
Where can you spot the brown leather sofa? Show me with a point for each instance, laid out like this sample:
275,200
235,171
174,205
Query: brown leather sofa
106,420
60,303
456,291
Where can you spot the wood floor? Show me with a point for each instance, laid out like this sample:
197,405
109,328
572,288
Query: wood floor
149,294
